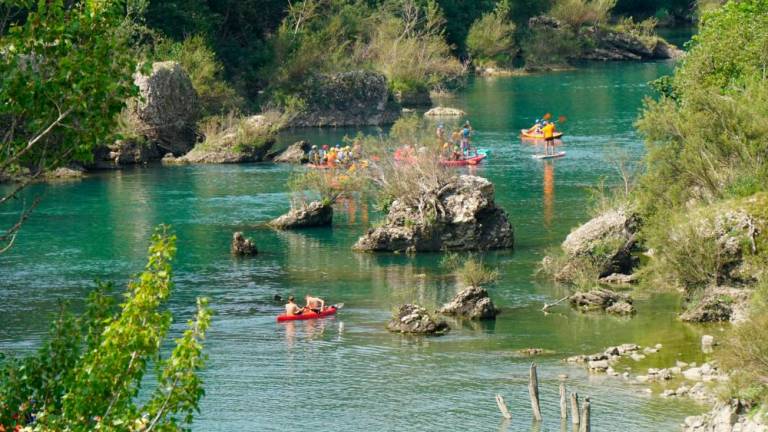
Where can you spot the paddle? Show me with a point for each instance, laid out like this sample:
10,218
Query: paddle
338,306
562,119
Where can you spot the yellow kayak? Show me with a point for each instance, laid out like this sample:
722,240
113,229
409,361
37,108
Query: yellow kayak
538,136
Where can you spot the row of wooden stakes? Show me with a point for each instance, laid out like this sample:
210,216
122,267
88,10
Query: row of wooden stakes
579,417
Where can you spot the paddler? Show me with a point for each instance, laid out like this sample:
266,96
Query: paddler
466,132
291,308
549,137
314,304
440,133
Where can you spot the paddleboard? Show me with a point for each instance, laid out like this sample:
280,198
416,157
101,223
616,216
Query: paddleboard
549,156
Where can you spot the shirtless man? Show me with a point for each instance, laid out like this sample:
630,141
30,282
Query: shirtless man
315,304
292,308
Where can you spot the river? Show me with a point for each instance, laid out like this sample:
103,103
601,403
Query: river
348,373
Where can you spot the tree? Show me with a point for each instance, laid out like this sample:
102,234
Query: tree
58,96
491,39
88,374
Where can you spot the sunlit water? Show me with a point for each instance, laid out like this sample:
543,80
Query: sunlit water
348,373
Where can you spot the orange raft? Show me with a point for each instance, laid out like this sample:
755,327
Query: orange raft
524,133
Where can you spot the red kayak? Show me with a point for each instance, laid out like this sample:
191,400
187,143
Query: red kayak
474,160
330,310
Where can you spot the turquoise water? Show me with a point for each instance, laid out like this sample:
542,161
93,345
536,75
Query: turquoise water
347,373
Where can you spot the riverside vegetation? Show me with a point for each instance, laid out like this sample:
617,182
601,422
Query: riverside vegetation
705,157
699,205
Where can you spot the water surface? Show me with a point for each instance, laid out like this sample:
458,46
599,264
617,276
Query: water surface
347,373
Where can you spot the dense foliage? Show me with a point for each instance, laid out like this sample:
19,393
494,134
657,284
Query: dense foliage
707,140
491,39
87,375
58,96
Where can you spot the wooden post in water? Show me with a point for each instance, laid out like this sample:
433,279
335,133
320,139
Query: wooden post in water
575,409
563,404
503,407
585,422
533,390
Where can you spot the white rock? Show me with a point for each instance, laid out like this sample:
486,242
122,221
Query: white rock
693,374
681,364
658,346
637,357
641,378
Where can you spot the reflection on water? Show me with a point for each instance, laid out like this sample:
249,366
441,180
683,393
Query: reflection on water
549,192
353,373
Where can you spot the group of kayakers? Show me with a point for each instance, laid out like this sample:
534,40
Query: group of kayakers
337,155
311,304
459,145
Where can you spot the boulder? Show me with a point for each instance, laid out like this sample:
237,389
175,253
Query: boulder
242,246
665,50
471,303
444,112
167,109
354,98
296,153
314,214
602,299
600,247
470,220
414,319
718,304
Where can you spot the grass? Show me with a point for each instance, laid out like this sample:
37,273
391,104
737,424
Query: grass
470,269
234,132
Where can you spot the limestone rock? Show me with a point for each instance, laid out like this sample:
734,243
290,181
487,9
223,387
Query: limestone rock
352,98
168,108
602,299
727,417
247,140
444,112
64,173
314,214
414,319
471,221
242,246
718,304
609,45
601,246
471,303
296,153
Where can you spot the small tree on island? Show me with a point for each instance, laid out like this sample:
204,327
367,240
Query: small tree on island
88,374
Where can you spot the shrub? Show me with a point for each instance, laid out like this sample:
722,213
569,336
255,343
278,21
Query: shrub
88,374
577,13
745,353
232,130
547,47
491,39
408,44
206,72
470,269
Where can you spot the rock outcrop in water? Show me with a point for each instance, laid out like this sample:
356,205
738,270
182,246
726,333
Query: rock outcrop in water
471,303
414,319
167,109
248,139
353,98
602,300
601,247
719,304
242,246
314,214
470,220
606,44
444,112
296,153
